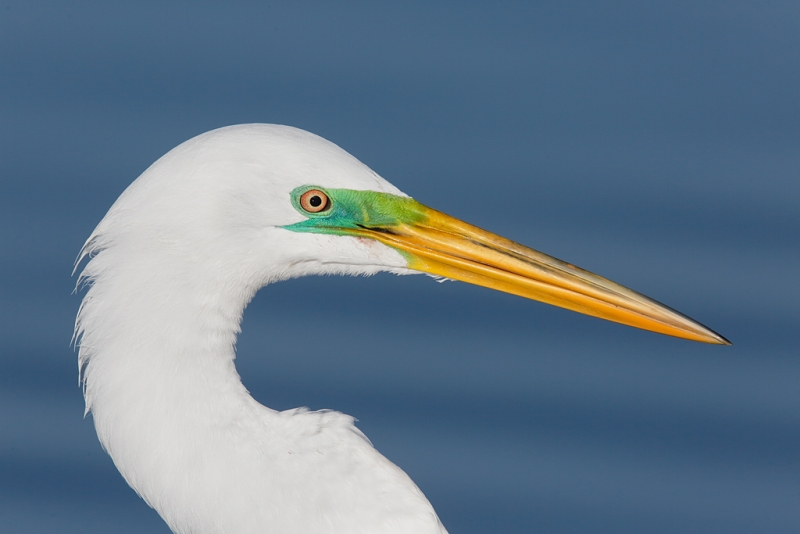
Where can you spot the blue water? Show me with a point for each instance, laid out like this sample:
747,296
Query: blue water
656,145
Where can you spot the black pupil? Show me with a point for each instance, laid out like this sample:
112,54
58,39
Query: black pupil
315,201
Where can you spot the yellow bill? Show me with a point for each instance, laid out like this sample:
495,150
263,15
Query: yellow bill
441,245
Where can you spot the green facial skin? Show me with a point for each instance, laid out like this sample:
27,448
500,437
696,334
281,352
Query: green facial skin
350,211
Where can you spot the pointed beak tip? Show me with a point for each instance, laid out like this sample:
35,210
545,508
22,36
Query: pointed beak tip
711,337
723,341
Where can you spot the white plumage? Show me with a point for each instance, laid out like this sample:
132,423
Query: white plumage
173,265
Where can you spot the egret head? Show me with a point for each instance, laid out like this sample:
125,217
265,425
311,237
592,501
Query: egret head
260,203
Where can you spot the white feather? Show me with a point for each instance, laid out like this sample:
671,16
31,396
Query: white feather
172,266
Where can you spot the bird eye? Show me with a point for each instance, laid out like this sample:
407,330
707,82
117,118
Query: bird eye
314,201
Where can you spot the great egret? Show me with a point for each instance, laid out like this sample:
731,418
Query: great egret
174,263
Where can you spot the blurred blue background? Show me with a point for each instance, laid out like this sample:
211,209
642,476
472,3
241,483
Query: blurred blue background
655,144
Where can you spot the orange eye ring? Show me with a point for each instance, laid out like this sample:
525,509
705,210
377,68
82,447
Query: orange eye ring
314,201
